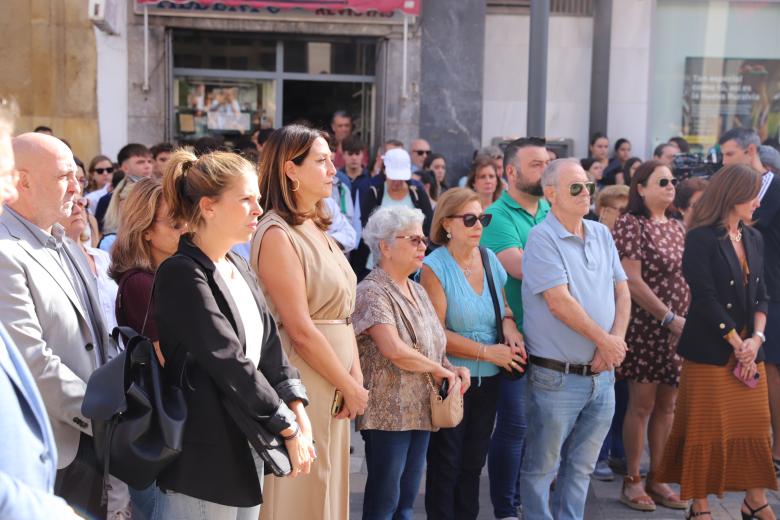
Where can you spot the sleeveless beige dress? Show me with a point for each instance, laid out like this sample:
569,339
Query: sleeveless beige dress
323,494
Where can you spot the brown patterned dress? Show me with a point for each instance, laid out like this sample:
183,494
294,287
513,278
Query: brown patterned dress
652,356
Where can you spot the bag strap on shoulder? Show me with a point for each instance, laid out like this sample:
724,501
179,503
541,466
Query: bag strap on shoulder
493,293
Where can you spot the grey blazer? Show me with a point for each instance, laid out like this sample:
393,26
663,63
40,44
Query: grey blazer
46,321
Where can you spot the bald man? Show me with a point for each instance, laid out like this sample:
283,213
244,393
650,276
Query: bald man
421,149
50,308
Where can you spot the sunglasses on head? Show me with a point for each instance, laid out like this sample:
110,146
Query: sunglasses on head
101,171
666,180
576,188
416,240
470,219
422,152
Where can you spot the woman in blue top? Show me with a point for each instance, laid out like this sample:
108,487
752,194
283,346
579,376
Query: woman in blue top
455,279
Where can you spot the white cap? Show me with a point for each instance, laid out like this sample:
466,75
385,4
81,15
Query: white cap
398,164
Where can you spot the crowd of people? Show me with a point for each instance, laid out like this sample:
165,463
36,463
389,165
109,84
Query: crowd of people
568,309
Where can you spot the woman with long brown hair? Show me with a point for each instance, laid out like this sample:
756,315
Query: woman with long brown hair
310,288
720,438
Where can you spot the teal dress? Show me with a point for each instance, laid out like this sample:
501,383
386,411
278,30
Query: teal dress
469,314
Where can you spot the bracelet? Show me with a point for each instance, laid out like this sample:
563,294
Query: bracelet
295,434
668,318
481,351
760,336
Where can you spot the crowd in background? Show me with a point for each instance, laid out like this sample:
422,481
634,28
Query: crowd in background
296,282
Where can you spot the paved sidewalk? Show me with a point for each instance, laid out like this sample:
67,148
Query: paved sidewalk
602,500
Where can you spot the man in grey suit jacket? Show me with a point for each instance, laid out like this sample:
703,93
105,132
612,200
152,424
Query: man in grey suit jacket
28,458
50,309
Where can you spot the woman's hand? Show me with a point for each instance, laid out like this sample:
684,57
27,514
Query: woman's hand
355,401
676,326
465,378
748,352
508,358
748,371
442,373
301,452
512,336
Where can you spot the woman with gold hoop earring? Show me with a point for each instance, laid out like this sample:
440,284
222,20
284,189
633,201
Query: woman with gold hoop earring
310,289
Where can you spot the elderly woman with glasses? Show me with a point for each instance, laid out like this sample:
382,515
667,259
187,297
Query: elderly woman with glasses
457,283
391,312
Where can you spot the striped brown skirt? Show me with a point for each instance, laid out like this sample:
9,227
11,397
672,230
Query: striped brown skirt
720,439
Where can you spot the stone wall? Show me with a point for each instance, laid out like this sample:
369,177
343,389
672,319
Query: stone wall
49,66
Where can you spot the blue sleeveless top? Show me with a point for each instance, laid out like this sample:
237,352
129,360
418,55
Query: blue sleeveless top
469,314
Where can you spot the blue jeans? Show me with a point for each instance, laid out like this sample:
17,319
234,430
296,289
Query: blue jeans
506,448
570,415
395,462
142,501
169,505
613,443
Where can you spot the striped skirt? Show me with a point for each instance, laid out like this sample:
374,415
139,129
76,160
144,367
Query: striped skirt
720,440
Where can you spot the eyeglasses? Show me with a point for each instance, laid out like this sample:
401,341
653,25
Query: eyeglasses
422,152
666,180
101,171
470,219
416,240
577,187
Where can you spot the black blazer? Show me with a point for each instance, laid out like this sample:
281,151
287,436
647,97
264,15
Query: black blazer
203,342
719,300
767,218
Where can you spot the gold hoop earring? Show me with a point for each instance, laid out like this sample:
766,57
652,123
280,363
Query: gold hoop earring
297,185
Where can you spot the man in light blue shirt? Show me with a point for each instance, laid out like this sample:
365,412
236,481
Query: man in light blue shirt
576,308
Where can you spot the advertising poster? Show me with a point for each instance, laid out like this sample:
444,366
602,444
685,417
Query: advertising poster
723,93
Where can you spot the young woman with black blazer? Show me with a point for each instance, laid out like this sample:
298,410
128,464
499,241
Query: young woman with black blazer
220,341
720,439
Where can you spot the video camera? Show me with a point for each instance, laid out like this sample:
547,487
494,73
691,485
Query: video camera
686,165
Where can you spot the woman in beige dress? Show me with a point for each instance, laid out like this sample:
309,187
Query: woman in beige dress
310,289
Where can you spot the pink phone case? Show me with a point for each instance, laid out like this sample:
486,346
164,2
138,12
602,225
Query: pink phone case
750,383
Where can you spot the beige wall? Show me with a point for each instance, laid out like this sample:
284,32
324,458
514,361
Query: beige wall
48,56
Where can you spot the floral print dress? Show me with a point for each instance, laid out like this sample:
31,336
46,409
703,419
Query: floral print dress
658,245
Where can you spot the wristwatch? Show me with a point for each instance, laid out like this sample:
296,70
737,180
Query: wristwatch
760,335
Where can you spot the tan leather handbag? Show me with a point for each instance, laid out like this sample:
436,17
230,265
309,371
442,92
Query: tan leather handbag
446,411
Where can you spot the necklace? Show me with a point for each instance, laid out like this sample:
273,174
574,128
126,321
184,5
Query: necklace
467,271
736,237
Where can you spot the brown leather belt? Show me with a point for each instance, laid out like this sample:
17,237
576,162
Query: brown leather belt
560,366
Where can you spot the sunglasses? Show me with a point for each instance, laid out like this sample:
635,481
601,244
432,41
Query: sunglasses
101,171
422,152
470,219
576,188
416,240
666,180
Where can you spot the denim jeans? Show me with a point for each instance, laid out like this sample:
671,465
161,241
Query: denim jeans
457,455
395,462
506,448
613,442
169,505
570,415
142,501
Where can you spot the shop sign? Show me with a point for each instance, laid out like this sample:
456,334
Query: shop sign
723,93
366,11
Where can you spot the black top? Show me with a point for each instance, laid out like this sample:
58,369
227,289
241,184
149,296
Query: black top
202,339
720,301
767,218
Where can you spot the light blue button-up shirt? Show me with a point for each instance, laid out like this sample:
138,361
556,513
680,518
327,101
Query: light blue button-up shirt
590,268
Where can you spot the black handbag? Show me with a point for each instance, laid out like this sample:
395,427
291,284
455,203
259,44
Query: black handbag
509,374
137,418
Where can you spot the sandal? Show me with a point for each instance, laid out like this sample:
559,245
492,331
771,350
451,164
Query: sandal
693,514
753,512
640,503
776,463
672,500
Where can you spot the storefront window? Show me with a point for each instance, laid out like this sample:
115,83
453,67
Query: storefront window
222,107
716,66
228,51
314,57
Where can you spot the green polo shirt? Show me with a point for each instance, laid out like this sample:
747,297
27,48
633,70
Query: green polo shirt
509,228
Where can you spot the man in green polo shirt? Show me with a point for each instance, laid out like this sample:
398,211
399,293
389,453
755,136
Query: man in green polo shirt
519,208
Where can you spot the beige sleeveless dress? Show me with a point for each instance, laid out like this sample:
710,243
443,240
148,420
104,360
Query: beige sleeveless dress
323,494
